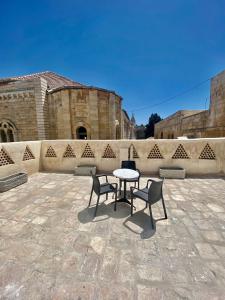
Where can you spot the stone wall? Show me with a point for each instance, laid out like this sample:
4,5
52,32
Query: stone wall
19,156
197,156
96,110
18,104
172,126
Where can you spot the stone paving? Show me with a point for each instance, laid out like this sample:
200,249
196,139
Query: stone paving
52,248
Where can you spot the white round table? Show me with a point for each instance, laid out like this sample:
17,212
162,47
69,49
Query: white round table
124,175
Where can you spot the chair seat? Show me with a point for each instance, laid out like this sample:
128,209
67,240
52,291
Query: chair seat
141,194
132,180
106,188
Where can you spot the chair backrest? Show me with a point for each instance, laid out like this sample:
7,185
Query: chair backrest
128,164
155,191
96,184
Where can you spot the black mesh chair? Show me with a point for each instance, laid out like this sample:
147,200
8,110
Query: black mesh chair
150,194
130,164
102,189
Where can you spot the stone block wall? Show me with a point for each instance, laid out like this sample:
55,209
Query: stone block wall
96,110
19,156
197,156
18,104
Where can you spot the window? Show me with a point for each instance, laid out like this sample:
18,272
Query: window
7,132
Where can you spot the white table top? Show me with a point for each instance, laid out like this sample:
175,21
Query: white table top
125,173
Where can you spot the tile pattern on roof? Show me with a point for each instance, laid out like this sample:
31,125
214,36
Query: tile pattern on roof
108,153
207,153
28,154
53,80
69,152
5,159
88,153
180,153
155,153
50,152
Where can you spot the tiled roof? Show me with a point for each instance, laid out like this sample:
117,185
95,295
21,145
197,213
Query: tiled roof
54,80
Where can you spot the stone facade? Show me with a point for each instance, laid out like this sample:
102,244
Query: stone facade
49,106
197,124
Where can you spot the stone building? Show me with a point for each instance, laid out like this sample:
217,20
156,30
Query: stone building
49,106
198,123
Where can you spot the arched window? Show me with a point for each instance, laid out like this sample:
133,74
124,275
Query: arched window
81,133
7,132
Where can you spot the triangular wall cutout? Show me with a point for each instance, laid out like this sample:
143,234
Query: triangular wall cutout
5,159
155,153
135,154
108,153
50,152
207,153
180,153
88,153
28,154
69,152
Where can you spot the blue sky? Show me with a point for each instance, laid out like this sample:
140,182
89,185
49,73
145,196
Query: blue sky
145,50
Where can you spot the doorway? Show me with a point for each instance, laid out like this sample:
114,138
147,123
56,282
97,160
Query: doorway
81,133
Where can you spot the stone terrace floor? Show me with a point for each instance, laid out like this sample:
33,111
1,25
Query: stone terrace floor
52,248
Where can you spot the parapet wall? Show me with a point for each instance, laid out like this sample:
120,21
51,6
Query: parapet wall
197,156
19,156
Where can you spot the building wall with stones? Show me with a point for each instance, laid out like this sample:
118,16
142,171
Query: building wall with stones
197,124
49,106
18,105
69,109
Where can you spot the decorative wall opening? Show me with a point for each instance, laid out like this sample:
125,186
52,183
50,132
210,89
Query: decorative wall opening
28,154
7,132
207,153
180,153
5,159
69,152
135,154
88,153
155,153
108,153
50,152
81,133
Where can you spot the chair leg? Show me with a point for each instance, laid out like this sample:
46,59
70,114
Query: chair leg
90,197
115,201
106,196
120,183
150,210
138,183
96,206
146,205
164,207
131,206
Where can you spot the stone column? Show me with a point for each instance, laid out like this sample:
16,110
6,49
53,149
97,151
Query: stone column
40,88
112,117
93,115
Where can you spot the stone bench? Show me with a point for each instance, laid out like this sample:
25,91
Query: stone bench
172,172
11,181
85,170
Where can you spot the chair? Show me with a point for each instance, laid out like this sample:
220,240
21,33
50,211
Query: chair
150,194
130,164
102,189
